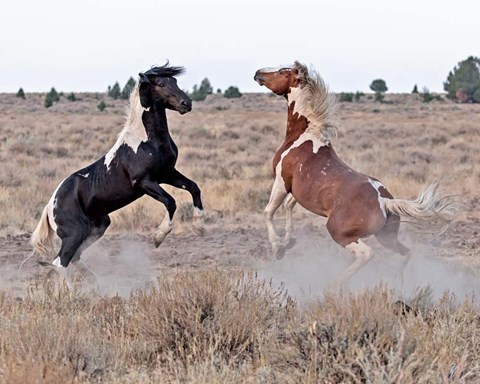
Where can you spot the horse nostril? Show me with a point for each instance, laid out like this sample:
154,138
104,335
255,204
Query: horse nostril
186,103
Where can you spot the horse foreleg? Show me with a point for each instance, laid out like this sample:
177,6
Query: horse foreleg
277,196
289,204
178,180
152,189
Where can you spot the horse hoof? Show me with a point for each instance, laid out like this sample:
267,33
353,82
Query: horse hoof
158,241
279,253
289,243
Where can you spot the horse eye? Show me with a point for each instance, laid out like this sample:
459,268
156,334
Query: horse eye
162,84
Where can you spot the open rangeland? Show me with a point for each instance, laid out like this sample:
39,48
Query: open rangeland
219,308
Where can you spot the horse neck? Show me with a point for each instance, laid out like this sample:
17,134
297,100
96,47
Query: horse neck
155,122
296,123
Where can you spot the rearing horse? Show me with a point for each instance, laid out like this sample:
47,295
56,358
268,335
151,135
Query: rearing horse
308,171
143,157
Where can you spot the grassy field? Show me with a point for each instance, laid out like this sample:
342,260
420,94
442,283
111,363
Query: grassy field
206,313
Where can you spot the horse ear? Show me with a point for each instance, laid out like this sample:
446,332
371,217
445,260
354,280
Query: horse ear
144,89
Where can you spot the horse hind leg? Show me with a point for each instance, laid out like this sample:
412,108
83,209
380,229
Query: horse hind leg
97,230
388,237
363,254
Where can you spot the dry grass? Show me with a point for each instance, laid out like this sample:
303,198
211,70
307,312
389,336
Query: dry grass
216,326
212,326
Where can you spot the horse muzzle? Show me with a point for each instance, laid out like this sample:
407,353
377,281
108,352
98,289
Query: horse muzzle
259,78
185,106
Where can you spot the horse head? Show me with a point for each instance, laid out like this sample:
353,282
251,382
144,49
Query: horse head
281,80
158,85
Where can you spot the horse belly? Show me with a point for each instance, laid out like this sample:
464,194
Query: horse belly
313,195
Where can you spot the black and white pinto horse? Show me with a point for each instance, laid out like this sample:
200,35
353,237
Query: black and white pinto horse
143,157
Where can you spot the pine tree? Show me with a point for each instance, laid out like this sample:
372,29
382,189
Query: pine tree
201,93
128,88
115,91
21,94
463,83
51,97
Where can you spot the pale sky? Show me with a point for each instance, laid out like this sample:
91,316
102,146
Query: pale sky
86,45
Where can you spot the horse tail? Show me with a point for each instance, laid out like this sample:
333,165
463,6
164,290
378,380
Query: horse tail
428,213
42,238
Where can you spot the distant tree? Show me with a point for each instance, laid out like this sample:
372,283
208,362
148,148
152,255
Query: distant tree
415,89
232,92
201,92
51,97
463,83
71,97
101,106
219,90
358,96
379,87
128,88
115,91
21,94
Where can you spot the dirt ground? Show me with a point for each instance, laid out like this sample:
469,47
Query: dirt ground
124,263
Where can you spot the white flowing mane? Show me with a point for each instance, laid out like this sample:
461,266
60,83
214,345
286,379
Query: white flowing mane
133,132
314,101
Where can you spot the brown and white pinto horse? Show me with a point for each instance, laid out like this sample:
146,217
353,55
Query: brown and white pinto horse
308,171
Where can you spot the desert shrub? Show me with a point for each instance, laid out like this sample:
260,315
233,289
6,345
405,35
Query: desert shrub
346,97
51,98
197,315
71,97
232,92
426,95
20,94
358,96
415,89
101,106
463,83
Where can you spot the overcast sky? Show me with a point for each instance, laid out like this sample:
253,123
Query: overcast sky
87,45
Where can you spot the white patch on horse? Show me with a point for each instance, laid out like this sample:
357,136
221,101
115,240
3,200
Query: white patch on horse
133,132
51,206
381,200
84,175
359,248
308,135
270,69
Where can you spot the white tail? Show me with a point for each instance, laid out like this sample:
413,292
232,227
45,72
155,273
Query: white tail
429,212
42,237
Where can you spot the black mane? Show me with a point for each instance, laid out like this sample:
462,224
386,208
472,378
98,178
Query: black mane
165,71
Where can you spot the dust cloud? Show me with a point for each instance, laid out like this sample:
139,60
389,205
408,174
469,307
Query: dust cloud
121,269
312,267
